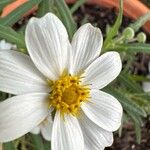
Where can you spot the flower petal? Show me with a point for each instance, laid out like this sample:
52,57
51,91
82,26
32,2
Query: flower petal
104,110
103,70
146,85
46,128
95,137
66,133
86,44
36,130
20,114
18,75
47,42
5,46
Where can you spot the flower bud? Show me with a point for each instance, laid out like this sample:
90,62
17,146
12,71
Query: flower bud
141,37
128,33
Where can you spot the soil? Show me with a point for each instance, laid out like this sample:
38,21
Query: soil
101,17
127,141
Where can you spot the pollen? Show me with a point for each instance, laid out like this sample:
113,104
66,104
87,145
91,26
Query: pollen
68,94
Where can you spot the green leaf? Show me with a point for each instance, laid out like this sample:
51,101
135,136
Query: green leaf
65,16
22,29
10,35
17,14
132,48
114,30
8,146
139,78
127,81
137,126
37,141
126,102
3,3
47,145
43,8
77,5
140,22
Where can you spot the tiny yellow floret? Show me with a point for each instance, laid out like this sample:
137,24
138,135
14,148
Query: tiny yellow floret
68,94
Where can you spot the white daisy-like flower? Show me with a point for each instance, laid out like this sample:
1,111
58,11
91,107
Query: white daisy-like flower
45,128
6,46
64,78
146,84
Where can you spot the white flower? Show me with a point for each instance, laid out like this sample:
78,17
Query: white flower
62,77
45,128
146,84
6,46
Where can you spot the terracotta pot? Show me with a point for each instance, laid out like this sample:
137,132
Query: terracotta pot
12,6
132,8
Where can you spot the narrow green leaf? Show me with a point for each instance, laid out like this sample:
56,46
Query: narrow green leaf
44,7
37,141
10,35
126,102
126,80
47,145
77,5
65,16
17,14
137,126
132,48
140,22
22,29
8,146
114,30
139,78
3,3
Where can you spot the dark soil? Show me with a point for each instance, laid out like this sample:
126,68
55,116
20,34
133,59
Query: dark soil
101,17
98,16
128,141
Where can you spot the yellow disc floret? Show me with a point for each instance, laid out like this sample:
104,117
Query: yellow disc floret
68,94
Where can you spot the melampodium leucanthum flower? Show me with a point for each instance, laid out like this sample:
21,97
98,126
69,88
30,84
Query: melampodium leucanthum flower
64,78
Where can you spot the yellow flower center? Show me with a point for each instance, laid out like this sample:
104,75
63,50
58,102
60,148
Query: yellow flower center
68,94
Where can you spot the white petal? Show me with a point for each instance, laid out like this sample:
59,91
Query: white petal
46,128
36,130
146,84
47,43
5,46
104,110
86,44
18,75
66,133
95,137
103,70
20,114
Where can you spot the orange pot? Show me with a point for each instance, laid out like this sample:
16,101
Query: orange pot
132,8
12,6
